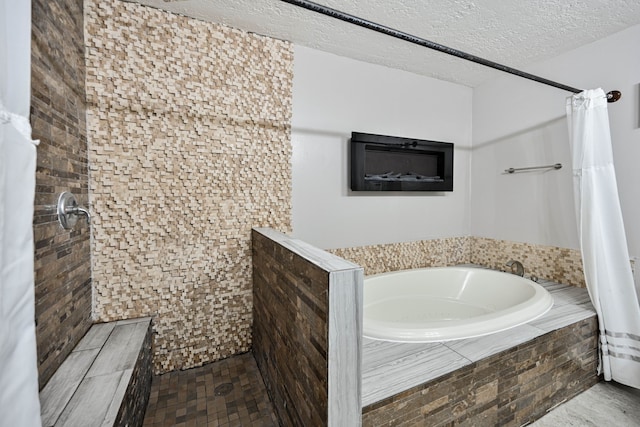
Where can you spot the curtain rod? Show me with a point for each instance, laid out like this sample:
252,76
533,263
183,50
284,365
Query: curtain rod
612,96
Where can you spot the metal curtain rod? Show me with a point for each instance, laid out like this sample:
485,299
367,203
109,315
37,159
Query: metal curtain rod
612,96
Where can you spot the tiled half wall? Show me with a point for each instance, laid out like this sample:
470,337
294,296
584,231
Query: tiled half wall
189,147
307,326
546,262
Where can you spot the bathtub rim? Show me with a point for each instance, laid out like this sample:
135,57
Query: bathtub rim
442,331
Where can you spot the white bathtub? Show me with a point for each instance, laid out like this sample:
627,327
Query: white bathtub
449,303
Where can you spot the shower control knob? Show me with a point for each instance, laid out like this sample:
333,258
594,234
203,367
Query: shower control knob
68,211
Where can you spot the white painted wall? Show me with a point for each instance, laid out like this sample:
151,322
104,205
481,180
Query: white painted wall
333,96
521,123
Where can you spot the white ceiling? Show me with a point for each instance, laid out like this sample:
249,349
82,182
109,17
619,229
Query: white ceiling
512,32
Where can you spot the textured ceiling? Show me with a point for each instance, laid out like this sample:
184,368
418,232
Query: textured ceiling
514,33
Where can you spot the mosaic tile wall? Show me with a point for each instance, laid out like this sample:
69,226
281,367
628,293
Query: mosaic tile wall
189,147
512,388
62,257
546,262
559,265
402,256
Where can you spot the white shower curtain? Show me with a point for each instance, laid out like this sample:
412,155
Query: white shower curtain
603,243
19,402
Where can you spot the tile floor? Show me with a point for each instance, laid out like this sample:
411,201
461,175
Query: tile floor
231,393
604,404
226,393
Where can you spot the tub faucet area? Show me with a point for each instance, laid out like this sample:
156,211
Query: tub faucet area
516,267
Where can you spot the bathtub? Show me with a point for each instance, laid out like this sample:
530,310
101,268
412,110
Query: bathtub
449,303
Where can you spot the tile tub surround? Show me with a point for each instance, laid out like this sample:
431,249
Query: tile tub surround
189,147
62,257
560,265
307,330
509,378
407,255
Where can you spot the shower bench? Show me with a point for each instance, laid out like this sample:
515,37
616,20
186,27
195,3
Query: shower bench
106,379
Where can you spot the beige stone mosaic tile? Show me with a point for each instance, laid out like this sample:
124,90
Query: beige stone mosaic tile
457,250
189,147
546,262
560,265
376,259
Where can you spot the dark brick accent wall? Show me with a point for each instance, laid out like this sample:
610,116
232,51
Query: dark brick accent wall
134,405
58,106
290,332
511,388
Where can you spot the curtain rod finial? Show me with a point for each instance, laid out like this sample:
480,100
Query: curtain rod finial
614,95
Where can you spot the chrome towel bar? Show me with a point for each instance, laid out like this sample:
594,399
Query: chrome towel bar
555,166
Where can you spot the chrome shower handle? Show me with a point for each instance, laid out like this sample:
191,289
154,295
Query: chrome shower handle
77,210
68,211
